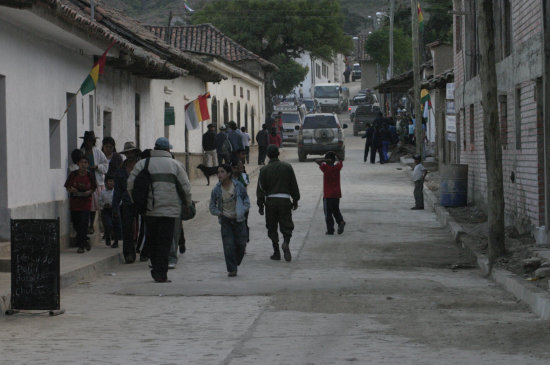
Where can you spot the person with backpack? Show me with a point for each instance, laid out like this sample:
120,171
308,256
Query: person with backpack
160,188
223,146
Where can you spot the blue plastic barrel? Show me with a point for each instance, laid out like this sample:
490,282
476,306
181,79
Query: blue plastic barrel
453,188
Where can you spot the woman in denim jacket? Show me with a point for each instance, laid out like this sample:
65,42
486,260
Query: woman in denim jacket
229,202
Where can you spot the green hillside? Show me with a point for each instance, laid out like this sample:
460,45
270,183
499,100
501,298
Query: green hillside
157,11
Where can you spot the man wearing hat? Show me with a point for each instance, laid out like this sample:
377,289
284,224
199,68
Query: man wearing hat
164,204
209,146
223,146
418,175
278,192
123,209
99,165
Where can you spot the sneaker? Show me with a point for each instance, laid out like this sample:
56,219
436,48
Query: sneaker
114,245
286,252
80,250
276,256
232,274
171,265
329,233
341,227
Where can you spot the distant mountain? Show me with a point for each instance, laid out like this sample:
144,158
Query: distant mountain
156,12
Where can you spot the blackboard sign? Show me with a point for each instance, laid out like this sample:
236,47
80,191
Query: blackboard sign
35,283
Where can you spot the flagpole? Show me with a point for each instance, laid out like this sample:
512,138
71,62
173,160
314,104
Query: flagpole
69,105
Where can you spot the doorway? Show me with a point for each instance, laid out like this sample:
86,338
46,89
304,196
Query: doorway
107,123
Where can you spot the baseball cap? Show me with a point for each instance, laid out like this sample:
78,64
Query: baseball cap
163,143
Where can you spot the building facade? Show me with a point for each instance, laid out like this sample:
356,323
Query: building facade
519,45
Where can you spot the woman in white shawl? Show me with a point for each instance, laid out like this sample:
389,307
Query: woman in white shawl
99,165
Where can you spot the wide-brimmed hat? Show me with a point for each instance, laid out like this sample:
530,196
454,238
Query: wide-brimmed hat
129,146
89,135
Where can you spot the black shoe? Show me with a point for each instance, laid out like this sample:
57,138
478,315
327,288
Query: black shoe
143,258
88,246
417,208
114,245
107,242
80,250
276,255
182,248
129,259
329,233
232,274
341,227
286,252
160,279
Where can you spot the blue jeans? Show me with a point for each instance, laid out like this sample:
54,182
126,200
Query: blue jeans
234,242
385,146
111,225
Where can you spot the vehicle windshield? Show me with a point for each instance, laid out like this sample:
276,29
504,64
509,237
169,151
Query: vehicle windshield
320,121
288,117
326,91
356,68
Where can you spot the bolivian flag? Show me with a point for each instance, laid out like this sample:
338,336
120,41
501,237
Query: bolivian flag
197,111
91,81
420,18
426,102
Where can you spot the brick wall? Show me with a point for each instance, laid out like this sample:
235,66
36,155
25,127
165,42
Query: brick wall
523,143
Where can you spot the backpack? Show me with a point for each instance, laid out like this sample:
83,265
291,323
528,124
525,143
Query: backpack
142,183
226,147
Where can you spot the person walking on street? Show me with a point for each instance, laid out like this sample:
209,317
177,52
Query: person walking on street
210,157
274,138
124,211
385,136
418,176
223,146
230,203
81,185
332,191
278,192
114,158
164,203
235,138
368,143
262,138
377,145
99,165
246,144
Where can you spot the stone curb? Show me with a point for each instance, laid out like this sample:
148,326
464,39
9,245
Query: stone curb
537,299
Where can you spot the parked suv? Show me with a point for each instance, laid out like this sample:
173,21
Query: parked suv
292,116
356,72
319,134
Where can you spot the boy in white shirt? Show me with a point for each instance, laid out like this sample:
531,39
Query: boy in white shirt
418,175
106,205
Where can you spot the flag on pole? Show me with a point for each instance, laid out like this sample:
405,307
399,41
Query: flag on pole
187,7
90,82
420,18
197,111
425,101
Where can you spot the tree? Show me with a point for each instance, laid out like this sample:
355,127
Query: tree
280,30
491,131
289,72
439,25
377,47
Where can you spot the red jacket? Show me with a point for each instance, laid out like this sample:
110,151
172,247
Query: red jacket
275,139
331,179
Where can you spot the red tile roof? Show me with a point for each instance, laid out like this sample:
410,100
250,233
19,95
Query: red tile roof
208,40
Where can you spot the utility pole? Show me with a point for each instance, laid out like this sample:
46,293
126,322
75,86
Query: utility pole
491,131
392,10
416,75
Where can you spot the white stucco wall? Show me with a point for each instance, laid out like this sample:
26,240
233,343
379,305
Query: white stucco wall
335,69
223,91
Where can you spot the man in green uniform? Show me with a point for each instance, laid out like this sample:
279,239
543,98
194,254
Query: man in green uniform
278,191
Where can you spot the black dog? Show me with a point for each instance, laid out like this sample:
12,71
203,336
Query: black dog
208,171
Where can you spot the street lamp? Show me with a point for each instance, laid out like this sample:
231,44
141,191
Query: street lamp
379,15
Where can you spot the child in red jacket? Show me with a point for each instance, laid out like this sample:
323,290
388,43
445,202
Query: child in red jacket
275,138
331,166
